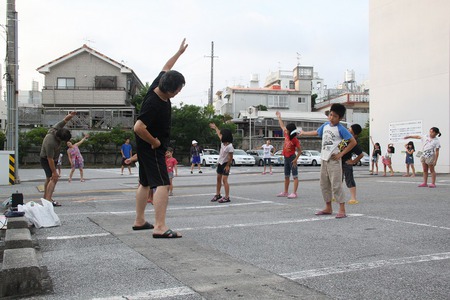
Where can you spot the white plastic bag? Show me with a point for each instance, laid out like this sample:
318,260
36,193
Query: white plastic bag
40,215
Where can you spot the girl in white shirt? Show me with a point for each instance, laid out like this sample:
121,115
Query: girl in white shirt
430,154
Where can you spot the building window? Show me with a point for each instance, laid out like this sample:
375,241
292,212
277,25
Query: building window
292,84
65,83
302,100
105,82
278,101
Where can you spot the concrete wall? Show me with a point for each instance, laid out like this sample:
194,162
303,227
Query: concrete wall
409,71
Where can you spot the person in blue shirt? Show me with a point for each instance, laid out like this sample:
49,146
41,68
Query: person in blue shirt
127,152
333,134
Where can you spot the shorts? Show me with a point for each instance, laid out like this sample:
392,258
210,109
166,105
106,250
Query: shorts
267,161
427,160
221,169
152,167
124,163
288,167
409,160
347,174
170,175
46,167
196,159
375,159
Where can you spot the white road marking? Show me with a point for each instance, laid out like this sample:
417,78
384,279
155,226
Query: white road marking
156,294
407,222
258,224
68,237
366,266
410,182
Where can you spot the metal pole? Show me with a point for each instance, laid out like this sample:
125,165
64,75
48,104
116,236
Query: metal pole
250,131
12,133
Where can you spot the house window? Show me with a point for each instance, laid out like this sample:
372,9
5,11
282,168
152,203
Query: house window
302,100
105,82
65,83
278,101
292,84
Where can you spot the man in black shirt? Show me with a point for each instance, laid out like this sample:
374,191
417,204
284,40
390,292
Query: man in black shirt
152,131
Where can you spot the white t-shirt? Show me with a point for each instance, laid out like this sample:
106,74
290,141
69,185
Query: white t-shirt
267,150
223,155
430,145
332,136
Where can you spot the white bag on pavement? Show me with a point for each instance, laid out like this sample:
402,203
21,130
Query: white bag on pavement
40,215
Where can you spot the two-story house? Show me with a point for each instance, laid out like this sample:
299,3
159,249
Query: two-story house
98,87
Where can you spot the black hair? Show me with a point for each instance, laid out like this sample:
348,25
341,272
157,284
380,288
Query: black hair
379,146
356,128
291,127
169,149
227,137
435,129
63,134
411,143
339,109
392,148
171,81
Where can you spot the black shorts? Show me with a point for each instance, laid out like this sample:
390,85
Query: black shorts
46,167
152,168
221,169
347,174
124,163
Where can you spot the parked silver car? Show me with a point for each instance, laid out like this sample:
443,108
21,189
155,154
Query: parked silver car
259,158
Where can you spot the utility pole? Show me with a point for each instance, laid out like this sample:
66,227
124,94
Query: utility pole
211,90
12,86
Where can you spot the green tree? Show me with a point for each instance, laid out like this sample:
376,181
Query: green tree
139,97
2,140
261,107
97,143
27,140
364,138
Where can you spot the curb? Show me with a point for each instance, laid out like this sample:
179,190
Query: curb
21,274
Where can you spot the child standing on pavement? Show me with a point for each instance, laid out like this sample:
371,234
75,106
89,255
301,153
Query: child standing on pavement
332,133
430,154
376,153
348,162
291,145
268,150
171,164
223,163
387,160
409,160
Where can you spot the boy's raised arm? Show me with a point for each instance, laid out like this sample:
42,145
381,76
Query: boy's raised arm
280,121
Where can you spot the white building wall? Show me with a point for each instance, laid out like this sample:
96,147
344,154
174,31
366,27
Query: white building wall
409,71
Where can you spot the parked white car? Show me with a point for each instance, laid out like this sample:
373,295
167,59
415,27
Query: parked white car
307,157
364,161
240,157
209,157
259,158
310,158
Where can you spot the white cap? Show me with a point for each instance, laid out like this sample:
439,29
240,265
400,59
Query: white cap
194,142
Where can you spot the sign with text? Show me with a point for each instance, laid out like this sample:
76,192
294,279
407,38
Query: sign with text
398,130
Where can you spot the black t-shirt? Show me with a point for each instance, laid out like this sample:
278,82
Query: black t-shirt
156,114
357,150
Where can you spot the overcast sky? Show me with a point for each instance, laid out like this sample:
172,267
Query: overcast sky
250,37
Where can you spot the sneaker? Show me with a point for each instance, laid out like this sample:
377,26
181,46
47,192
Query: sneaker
292,196
431,185
215,198
423,185
270,172
264,173
282,194
200,172
170,194
224,200
191,172
353,201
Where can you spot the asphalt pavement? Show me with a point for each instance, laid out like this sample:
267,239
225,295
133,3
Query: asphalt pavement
394,244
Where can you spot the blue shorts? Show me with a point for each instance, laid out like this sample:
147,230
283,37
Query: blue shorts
409,160
195,159
288,167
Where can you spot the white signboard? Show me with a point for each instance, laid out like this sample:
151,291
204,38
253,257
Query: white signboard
398,130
